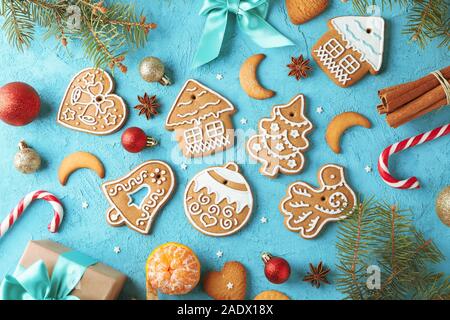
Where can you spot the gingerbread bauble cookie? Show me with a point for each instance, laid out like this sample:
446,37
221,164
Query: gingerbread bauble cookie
351,48
218,201
158,179
281,139
201,119
307,209
89,104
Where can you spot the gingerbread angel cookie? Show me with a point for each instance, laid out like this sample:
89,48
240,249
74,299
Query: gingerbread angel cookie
281,140
158,180
218,201
201,119
89,104
351,48
307,209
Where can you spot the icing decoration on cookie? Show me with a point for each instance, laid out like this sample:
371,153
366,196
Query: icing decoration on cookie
218,201
307,209
157,177
352,47
201,120
89,104
281,140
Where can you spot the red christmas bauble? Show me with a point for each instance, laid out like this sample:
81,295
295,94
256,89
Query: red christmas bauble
134,139
19,103
276,269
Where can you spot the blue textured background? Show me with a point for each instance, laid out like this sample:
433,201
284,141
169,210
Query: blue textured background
49,70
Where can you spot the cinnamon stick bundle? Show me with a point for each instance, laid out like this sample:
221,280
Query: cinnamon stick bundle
405,102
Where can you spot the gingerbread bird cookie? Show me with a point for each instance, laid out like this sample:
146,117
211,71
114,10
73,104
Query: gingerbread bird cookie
307,209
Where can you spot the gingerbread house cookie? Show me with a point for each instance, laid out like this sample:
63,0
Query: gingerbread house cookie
201,119
351,48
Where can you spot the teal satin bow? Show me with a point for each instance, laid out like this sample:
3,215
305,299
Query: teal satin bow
34,282
250,16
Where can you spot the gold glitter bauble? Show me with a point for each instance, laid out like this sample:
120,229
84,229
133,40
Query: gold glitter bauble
443,206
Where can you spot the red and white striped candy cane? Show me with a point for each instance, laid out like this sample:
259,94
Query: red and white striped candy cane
15,214
383,161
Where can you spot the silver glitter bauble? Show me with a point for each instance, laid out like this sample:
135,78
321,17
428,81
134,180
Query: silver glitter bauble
443,205
27,160
152,70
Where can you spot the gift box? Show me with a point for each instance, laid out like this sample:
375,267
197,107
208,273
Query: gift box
50,271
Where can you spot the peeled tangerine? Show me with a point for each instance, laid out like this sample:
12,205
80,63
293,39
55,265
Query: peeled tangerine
173,269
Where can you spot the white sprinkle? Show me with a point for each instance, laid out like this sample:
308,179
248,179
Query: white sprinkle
243,121
263,220
319,110
219,76
230,285
368,169
84,205
219,254
183,166
116,250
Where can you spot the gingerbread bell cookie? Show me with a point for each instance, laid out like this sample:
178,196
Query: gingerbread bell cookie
307,209
158,180
281,139
351,48
228,284
218,201
201,119
89,104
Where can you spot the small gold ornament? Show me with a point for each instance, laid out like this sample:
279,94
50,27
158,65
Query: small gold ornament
27,160
443,206
152,70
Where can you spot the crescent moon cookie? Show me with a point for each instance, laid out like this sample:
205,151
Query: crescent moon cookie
340,124
281,139
249,80
201,119
307,209
89,104
351,48
158,180
79,160
218,201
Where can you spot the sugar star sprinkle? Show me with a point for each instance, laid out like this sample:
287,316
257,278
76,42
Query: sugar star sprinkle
219,254
84,205
368,169
183,166
230,285
243,121
219,76
319,110
116,250
263,220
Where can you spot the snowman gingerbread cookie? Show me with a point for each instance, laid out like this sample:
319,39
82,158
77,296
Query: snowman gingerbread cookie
89,104
351,48
281,140
158,180
218,201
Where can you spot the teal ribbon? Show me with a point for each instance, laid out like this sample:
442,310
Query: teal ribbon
34,283
250,16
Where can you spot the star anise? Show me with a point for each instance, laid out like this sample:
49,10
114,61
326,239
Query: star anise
317,275
147,106
299,67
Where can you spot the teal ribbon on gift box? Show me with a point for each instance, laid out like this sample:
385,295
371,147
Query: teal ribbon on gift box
250,16
34,283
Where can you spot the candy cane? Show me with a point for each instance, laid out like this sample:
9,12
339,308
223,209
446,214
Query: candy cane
15,214
383,161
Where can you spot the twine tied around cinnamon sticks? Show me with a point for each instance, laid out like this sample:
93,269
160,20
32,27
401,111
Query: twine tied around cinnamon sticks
405,102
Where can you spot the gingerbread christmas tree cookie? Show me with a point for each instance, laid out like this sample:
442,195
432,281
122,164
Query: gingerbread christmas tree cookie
351,48
89,104
201,119
281,139
307,209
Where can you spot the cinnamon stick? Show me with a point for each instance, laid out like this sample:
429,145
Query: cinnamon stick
397,96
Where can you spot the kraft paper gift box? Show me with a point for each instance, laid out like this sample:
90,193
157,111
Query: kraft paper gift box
98,282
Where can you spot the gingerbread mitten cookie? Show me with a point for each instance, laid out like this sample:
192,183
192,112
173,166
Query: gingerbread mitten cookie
157,177
89,104
307,209
281,140
218,201
351,48
201,119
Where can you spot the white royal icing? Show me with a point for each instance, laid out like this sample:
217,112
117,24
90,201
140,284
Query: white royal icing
365,35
